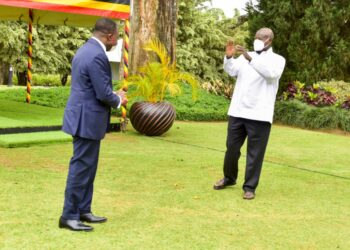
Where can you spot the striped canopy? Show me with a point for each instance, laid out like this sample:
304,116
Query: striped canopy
64,12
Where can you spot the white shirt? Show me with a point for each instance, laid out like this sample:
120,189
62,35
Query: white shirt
105,50
256,86
101,43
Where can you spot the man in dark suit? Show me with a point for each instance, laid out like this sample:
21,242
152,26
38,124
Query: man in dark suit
86,118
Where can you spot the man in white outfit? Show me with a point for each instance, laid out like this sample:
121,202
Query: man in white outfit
251,109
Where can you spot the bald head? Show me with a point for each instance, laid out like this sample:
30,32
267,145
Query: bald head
264,34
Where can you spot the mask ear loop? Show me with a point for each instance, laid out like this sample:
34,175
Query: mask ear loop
267,46
266,41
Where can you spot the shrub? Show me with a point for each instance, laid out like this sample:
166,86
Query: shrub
314,95
55,97
47,80
159,76
341,89
297,113
346,104
219,88
207,107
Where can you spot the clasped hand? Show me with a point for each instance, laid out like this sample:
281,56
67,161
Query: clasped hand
231,50
122,94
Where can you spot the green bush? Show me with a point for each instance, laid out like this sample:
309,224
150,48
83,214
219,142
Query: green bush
47,80
296,113
315,95
207,107
55,97
341,89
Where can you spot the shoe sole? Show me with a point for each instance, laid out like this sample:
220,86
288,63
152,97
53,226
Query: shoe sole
78,230
94,222
223,187
248,198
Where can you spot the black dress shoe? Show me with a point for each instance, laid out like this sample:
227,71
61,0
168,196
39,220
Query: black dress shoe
221,184
74,225
89,217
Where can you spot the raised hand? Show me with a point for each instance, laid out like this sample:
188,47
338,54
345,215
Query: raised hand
230,49
240,49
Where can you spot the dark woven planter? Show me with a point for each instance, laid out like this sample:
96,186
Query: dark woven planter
152,118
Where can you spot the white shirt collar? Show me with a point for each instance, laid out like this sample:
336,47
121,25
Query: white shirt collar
270,50
102,45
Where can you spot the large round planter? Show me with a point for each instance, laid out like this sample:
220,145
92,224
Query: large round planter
152,118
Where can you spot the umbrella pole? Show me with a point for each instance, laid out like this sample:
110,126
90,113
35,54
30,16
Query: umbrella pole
124,120
126,49
30,53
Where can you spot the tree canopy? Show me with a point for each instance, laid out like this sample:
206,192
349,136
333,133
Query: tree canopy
201,37
53,46
313,36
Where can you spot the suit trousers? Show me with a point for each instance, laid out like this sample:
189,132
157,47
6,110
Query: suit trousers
80,179
258,134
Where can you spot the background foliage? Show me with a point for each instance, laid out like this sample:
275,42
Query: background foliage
207,107
201,37
53,46
313,36
296,113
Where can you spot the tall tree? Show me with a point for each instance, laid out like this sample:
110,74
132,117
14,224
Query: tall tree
151,19
201,37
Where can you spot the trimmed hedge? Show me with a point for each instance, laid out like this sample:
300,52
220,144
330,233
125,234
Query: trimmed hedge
296,113
48,80
55,97
207,107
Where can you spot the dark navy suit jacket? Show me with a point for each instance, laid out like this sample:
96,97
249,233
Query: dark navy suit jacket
87,111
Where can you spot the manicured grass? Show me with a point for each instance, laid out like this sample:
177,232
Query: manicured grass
55,97
157,193
15,114
29,139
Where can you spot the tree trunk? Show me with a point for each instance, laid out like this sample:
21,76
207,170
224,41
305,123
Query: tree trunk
64,79
151,19
22,78
4,73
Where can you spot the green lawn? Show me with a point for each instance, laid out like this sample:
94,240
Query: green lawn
29,139
157,193
16,114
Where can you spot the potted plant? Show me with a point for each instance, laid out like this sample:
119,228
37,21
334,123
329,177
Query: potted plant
154,116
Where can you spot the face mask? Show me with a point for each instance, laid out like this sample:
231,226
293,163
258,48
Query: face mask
258,45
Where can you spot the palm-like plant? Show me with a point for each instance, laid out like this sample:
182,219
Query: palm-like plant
153,116
157,78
